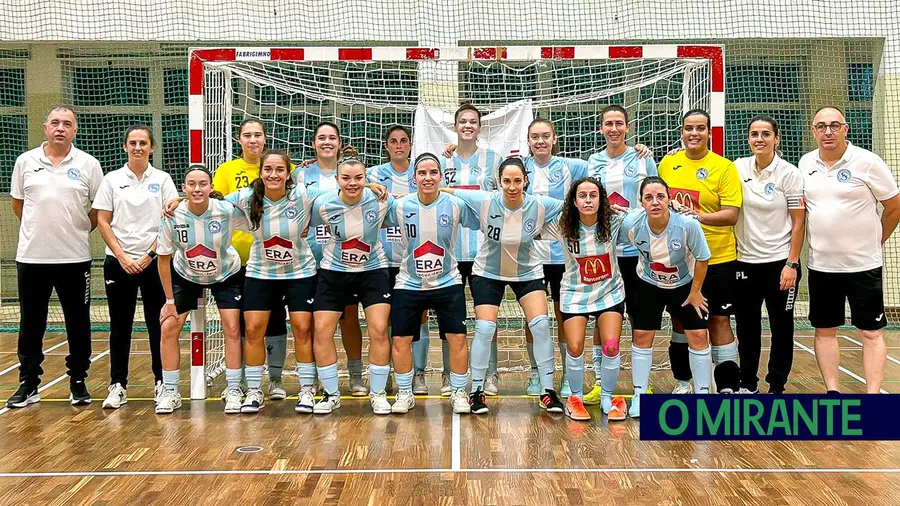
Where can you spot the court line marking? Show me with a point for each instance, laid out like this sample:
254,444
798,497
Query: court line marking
840,367
854,341
455,458
48,350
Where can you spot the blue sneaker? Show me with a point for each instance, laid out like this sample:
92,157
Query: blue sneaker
533,385
564,390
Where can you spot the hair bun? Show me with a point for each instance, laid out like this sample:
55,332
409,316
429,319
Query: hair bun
349,152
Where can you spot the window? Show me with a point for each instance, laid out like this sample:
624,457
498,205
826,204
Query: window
12,87
175,87
764,82
860,133
175,146
100,135
110,86
860,82
15,142
790,125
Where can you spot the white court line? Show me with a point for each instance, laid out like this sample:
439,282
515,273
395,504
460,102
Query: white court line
854,341
48,350
454,442
57,380
840,367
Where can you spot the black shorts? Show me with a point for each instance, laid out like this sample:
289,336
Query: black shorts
227,293
393,272
270,294
449,304
628,269
863,291
718,288
490,291
337,290
553,274
277,325
648,314
618,308
465,271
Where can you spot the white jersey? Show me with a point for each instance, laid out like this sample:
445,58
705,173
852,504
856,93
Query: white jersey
313,177
667,259
478,172
592,281
553,180
353,244
398,185
55,225
843,228
763,229
201,245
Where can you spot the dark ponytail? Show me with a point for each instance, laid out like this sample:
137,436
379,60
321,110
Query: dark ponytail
259,186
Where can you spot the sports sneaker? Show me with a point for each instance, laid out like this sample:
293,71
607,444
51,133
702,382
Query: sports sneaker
116,397
576,411
635,410
446,389
593,397
564,390
419,385
329,403
683,387
459,399
233,400
747,391
533,385
476,402
168,402
380,404
550,401
276,390
404,402
357,387
492,384
79,394
254,401
158,390
25,395
617,409
306,400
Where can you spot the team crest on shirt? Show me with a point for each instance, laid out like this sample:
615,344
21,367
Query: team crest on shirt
202,260
73,174
675,245
278,250
355,253
630,171
214,227
594,269
413,186
475,171
702,174
528,226
429,259
555,176
371,216
444,220
770,189
662,274
153,188
843,175
291,212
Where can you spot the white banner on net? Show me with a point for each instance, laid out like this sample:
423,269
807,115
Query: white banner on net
504,130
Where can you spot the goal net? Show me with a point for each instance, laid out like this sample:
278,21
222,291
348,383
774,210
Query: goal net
364,91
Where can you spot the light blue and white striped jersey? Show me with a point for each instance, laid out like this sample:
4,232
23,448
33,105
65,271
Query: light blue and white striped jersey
313,177
279,251
397,185
621,177
201,245
592,281
665,260
508,251
553,180
353,244
478,172
428,236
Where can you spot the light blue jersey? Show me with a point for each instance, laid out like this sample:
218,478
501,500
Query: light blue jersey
508,252
666,260
201,245
279,251
553,180
621,177
313,177
353,244
478,172
592,281
398,185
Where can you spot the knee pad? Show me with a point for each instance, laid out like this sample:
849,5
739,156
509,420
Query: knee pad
484,329
539,319
611,347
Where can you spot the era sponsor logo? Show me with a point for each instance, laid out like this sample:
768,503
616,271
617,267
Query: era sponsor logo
429,259
202,260
687,198
663,274
279,250
617,199
355,253
594,269
393,234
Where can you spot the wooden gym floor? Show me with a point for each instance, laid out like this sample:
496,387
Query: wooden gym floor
53,453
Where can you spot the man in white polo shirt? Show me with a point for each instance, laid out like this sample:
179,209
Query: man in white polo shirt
842,185
52,188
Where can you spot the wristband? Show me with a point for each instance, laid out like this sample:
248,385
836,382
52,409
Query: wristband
170,301
792,265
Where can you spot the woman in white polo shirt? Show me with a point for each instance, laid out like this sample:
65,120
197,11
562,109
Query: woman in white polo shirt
769,234
129,203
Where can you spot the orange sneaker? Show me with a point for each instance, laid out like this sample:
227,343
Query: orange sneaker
617,412
576,411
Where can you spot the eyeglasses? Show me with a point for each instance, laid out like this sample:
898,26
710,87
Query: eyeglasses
834,127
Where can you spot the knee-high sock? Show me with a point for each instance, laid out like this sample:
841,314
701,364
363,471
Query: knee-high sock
563,347
306,372
276,348
530,348
678,357
543,349
378,376
609,374
404,381
481,352
233,378
641,362
254,375
328,375
445,356
420,349
597,358
492,365
700,367
575,374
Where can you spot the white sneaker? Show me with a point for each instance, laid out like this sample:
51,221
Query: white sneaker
446,389
747,391
168,402
328,404
158,390
419,385
683,388
459,399
116,397
254,401
492,384
404,402
634,411
306,400
380,404
276,390
357,387
233,401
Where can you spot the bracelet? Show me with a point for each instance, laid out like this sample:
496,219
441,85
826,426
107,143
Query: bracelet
792,265
170,301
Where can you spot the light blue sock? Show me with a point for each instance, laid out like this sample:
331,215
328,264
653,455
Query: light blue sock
609,374
531,359
404,381
492,365
597,359
328,375
445,356
725,353
641,362
276,351
421,348
575,374
170,380
700,368
254,375
307,374
233,378
355,367
378,376
481,352
458,381
543,349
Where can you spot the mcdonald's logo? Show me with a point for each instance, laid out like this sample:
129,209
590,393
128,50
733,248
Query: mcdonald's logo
687,198
594,269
